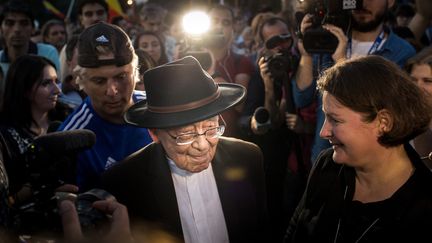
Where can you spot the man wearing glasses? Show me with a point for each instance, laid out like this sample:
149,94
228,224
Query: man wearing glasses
192,182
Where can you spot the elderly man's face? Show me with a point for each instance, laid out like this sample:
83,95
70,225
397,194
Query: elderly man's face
193,157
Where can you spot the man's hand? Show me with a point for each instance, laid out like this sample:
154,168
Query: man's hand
305,24
265,74
298,125
119,231
293,122
340,53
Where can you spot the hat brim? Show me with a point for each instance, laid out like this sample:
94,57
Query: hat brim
139,115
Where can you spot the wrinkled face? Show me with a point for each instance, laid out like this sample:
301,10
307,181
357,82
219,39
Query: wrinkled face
222,21
110,90
56,36
16,30
92,13
193,157
372,14
422,75
44,94
151,45
353,140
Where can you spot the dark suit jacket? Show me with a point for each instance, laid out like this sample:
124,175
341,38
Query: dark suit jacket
144,184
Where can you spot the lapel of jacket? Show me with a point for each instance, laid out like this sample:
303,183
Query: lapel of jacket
163,189
225,186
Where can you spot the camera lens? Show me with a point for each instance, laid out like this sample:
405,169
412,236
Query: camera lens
278,66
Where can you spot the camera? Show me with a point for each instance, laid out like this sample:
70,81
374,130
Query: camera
90,218
279,64
47,163
336,12
282,63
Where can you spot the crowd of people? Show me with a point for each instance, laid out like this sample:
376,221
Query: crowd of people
280,126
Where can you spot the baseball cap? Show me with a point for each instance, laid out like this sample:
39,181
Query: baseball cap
104,34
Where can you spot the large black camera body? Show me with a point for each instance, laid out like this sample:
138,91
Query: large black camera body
336,12
49,162
281,64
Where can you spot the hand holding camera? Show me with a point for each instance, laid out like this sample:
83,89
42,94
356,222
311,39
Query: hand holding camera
340,52
319,39
119,228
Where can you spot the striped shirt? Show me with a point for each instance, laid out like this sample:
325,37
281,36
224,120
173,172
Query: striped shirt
113,141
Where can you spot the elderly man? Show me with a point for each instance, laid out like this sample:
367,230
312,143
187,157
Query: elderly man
107,72
194,183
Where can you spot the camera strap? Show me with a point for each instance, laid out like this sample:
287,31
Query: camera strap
375,46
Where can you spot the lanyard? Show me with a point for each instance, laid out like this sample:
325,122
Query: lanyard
373,48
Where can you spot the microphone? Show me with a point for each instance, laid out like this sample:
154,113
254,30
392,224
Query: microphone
50,160
261,117
63,142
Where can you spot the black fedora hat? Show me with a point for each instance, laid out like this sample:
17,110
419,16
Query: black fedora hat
181,93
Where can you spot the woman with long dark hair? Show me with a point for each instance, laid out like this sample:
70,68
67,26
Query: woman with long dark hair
153,44
30,95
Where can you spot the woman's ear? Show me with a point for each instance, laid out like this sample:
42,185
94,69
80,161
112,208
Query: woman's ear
153,135
385,121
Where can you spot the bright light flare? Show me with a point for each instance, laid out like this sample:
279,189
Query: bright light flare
196,23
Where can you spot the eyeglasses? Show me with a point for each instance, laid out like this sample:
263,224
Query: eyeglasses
189,138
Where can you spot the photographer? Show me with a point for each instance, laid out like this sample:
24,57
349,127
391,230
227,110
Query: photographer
268,107
368,35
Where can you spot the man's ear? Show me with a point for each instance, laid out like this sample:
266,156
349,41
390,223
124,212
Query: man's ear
153,135
385,121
